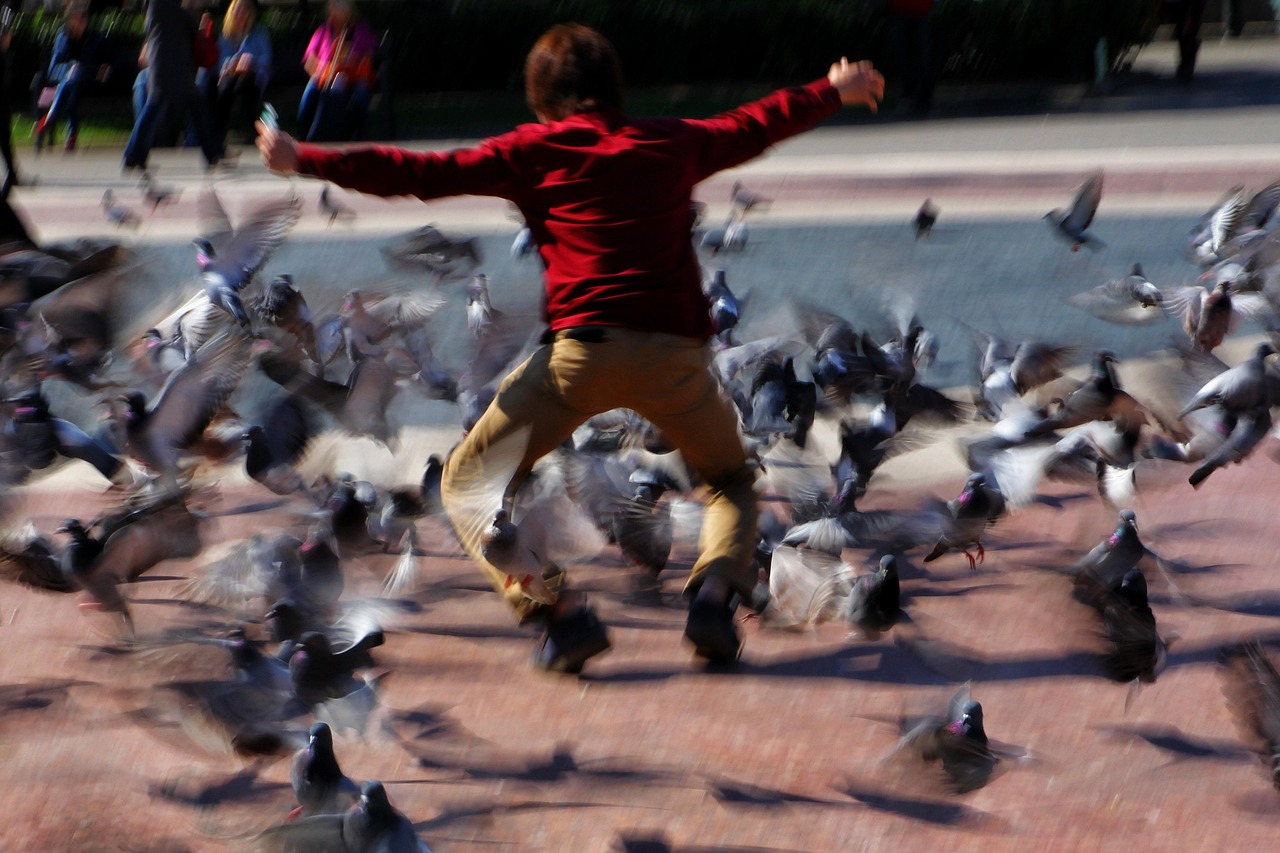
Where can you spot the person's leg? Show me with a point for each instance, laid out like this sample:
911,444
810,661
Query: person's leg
198,112
677,392
138,148
358,110
307,109
70,108
526,420
686,404
139,94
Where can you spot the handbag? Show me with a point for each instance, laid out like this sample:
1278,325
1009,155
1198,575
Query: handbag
44,100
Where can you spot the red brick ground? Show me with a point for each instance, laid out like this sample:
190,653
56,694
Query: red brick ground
784,755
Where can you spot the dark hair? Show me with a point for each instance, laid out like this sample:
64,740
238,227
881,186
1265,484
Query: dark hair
572,69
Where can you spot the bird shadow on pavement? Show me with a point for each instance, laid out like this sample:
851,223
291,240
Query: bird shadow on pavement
243,787
560,767
733,794
1179,745
660,844
932,811
487,812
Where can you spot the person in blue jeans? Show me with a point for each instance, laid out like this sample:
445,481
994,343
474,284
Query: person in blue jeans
244,67
171,84
77,58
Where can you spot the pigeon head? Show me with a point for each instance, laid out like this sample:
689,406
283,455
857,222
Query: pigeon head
316,643
151,339
320,736
204,252
1136,269
889,564
281,283
72,527
351,302
284,621
1263,350
971,721
135,403
373,799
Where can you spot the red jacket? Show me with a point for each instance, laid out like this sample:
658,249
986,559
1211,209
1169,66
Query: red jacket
606,197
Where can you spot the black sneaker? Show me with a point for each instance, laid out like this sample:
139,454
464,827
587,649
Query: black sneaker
711,630
570,641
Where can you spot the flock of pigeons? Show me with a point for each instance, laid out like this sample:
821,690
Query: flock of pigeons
298,656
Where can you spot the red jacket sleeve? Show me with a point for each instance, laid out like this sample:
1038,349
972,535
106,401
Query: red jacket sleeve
737,136
488,169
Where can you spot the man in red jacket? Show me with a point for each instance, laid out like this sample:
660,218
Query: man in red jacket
607,199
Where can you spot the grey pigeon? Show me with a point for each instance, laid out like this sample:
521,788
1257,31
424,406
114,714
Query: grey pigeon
335,209
1072,223
318,781
958,742
875,603
1132,300
228,262
925,218
726,310
119,214
966,517
372,825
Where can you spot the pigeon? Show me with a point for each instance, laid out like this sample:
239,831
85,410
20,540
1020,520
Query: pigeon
744,200
1099,397
335,209
480,311
725,307
1136,652
875,602
429,249
1247,387
228,262
272,448
118,214
1218,227
283,306
958,742
318,781
1006,371
158,433
1132,300
372,825
1207,318
926,216
319,673
1072,223
966,517
1252,688
157,194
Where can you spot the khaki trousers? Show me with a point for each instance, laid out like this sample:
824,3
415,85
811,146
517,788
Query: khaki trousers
666,379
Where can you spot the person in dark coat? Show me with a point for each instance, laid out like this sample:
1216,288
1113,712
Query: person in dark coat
171,83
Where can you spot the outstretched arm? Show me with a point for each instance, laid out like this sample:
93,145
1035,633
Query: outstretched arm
486,169
734,137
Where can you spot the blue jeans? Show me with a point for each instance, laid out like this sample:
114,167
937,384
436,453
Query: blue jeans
335,114
66,98
155,108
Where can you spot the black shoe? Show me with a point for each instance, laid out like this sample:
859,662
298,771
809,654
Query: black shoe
710,628
570,641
